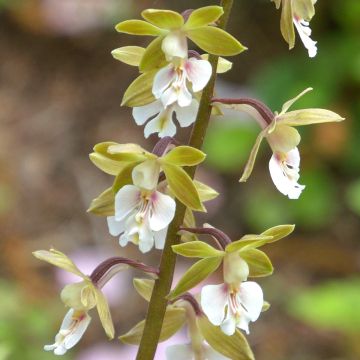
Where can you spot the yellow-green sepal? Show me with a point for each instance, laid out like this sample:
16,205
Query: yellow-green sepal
153,57
203,16
258,262
103,205
195,274
104,314
184,156
198,249
130,55
248,241
139,92
123,177
215,41
182,186
164,19
278,232
139,27
286,23
223,66
234,347
79,296
144,287
174,320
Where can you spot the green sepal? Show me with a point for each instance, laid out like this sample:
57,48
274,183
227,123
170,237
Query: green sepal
215,41
123,177
286,23
174,320
205,192
165,19
258,262
144,287
153,57
107,165
130,55
203,16
279,232
103,205
182,186
138,27
184,156
266,306
248,241
139,92
189,221
195,274
122,152
197,249
234,347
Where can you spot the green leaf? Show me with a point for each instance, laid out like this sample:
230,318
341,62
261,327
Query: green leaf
165,19
234,347
130,55
279,232
215,41
184,156
103,205
173,321
144,287
153,56
203,16
139,92
194,275
182,186
258,262
248,241
138,27
198,249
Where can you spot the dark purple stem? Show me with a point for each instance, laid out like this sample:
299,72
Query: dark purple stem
161,146
195,54
263,110
192,301
220,236
185,14
106,265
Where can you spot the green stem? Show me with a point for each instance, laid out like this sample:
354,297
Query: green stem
158,301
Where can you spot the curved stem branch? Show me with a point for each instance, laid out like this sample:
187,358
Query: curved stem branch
158,302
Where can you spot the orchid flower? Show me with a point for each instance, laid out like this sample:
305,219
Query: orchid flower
282,137
170,82
298,13
80,297
142,213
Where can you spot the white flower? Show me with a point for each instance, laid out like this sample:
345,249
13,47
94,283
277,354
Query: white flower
304,31
230,307
186,352
162,117
170,82
142,215
72,329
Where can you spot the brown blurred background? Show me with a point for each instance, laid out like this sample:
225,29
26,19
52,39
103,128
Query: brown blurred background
60,93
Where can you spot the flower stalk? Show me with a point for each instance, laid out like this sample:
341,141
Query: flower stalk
158,301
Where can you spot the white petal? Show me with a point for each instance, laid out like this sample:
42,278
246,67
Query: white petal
126,200
146,238
198,72
124,239
163,79
161,124
228,326
146,174
293,158
60,350
169,96
76,334
305,32
143,113
184,96
179,352
115,227
163,211
285,179
251,297
160,237
213,302
67,321
174,45
187,115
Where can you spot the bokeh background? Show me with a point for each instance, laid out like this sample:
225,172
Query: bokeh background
60,93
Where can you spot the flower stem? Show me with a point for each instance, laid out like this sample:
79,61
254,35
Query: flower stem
158,301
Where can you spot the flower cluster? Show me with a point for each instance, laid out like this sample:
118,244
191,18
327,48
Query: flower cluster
152,188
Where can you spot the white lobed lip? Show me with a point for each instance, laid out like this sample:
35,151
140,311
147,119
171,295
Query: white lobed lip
304,31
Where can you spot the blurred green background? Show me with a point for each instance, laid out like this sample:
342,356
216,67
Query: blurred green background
60,92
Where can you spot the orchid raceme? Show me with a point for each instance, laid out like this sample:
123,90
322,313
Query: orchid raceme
172,30
80,297
297,13
283,139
